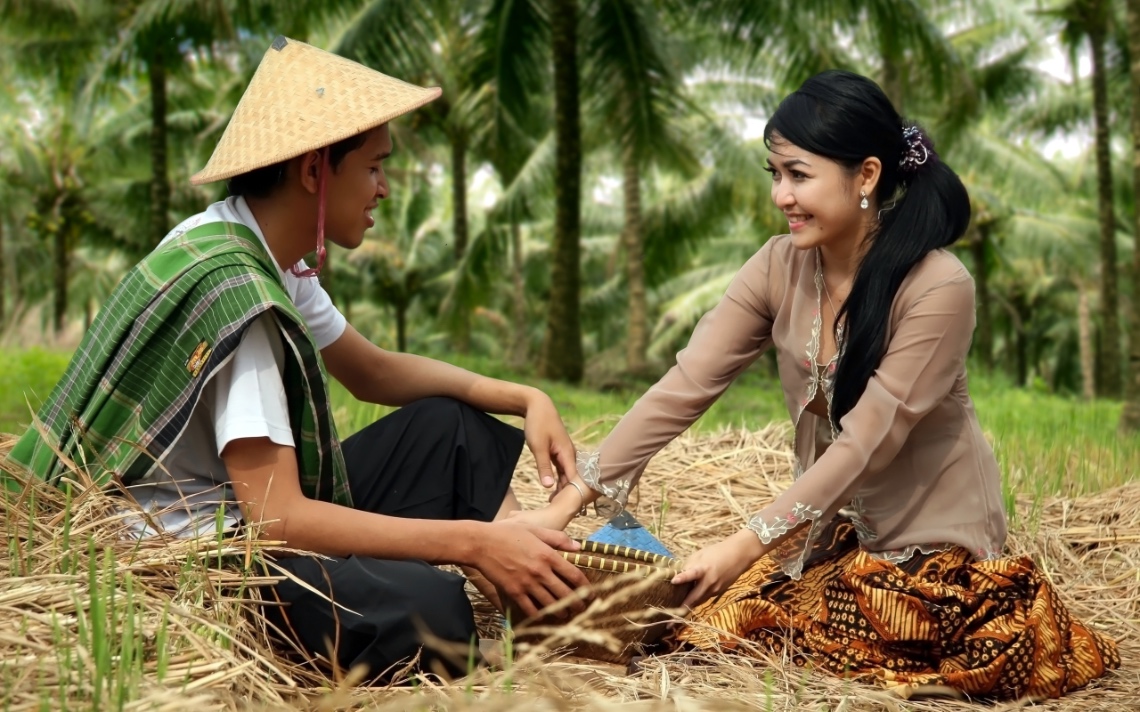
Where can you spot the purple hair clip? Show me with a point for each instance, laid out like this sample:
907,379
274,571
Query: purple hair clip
918,151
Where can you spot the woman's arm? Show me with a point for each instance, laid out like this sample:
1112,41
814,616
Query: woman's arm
924,358
725,341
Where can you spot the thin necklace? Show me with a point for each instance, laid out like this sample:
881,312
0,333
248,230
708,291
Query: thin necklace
834,313
827,293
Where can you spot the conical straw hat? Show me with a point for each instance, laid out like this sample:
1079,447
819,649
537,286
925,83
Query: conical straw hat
300,99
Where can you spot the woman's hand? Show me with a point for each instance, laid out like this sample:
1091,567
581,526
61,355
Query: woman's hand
547,438
714,568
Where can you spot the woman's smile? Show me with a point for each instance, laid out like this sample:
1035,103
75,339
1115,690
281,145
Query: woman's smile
797,221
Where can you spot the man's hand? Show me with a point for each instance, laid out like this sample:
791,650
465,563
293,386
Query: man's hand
521,561
714,568
547,438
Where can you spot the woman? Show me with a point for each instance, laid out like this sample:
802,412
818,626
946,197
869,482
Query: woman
883,558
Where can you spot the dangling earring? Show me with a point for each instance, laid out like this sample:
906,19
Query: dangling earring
863,204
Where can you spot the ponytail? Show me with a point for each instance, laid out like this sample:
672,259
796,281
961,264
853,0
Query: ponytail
932,213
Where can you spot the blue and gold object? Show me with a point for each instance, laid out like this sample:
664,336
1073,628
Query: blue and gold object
625,530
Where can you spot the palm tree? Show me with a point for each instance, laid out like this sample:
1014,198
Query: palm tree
101,271
562,349
53,161
1096,17
163,36
635,92
527,194
1088,20
397,270
8,106
431,42
638,103
1130,417
518,139
699,230
801,37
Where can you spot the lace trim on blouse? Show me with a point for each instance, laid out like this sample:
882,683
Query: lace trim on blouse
827,377
863,528
812,360
867,536
615,494
898,556
790,553
768,532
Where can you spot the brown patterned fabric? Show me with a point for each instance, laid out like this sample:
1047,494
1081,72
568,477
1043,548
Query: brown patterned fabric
993,629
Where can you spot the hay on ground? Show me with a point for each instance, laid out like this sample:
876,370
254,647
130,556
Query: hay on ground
200,645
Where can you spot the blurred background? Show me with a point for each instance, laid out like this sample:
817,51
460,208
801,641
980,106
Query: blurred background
592,177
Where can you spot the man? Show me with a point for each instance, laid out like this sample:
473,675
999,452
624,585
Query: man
201,382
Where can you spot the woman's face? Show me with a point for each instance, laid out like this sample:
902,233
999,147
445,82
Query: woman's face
819,197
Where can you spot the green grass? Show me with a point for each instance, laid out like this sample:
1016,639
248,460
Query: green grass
1049,445
26,377
1046,444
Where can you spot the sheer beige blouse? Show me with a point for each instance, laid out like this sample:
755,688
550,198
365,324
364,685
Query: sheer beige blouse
909,467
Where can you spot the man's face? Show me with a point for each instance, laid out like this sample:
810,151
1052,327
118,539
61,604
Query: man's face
354,189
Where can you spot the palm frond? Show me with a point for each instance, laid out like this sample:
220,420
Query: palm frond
682,313
532,185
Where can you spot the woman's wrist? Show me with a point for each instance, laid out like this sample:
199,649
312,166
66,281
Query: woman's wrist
748,545
569,501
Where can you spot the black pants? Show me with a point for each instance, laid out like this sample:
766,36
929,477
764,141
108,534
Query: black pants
433,459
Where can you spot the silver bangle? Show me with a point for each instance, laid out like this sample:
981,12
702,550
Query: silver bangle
582,495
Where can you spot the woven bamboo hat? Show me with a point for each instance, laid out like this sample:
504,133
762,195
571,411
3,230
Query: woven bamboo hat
300,99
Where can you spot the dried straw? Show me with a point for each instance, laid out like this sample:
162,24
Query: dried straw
219,657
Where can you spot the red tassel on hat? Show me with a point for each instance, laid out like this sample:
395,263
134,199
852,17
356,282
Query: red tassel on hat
321,182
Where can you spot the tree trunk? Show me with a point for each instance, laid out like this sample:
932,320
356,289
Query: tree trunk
1111,357
159,182
1130,416
518,354
1016,307
985,342
59,278
1021,358
1085,344
459,227
637,338
562,348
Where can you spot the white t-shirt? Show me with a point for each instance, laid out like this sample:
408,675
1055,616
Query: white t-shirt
245,398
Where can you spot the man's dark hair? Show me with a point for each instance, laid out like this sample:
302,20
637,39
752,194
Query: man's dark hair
261,182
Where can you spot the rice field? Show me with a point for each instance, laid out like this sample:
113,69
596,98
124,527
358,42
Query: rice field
89,621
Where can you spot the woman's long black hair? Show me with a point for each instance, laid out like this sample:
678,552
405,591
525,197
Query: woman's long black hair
924,206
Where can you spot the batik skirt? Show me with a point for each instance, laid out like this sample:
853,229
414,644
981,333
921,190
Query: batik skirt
990,629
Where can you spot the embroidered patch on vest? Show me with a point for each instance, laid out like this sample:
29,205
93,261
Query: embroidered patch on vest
198,358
